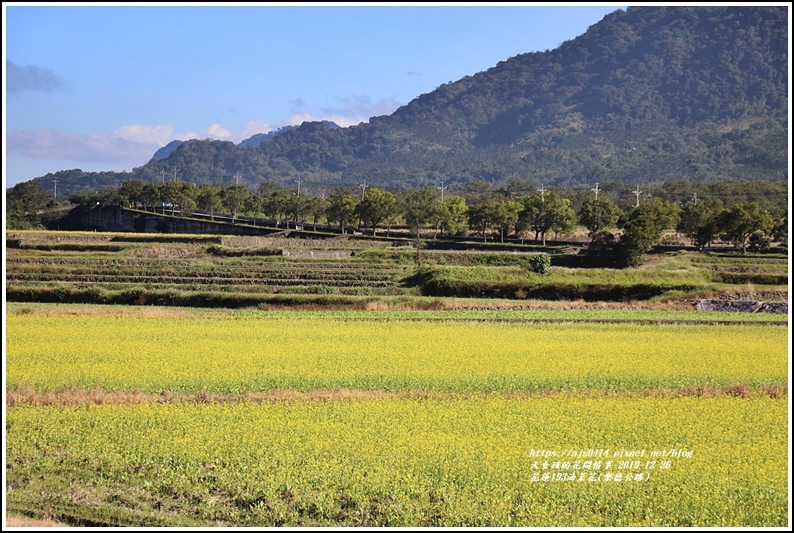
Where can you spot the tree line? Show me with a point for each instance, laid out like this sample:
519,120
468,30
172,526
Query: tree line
620,233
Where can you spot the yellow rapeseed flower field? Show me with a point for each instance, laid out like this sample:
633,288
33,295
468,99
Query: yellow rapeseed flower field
444,423
192,354
562,461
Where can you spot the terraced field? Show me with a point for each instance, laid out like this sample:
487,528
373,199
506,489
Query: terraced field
212,271
733,269
114,273
186,266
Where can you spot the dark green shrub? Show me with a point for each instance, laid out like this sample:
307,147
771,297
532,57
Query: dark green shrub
759,241
539,264
603,250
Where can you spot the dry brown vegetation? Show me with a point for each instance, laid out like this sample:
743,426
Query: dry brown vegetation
23,395
24,521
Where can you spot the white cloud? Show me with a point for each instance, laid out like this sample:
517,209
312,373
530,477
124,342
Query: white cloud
360,107
344,121
215,131
134,144
252,128
300,118
348,111
340,120
100,148
159,135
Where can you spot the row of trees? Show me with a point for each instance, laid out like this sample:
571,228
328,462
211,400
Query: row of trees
619,235
743,224
542,212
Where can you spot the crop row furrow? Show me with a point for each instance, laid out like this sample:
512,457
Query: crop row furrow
109,262
739,260
285,265
765,269
177,280
220,274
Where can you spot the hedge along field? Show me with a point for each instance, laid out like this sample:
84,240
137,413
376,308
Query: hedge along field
405,462
271,352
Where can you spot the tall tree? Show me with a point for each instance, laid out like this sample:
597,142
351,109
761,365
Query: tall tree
545,211
276,205
298,207
482,218
23,201
186,194
598,215
342,208
131,192
418,206
454,215
376,207
741,220
780,231
253,205
643,227
318,208
150,195
506,216
699,221
234,197
169,193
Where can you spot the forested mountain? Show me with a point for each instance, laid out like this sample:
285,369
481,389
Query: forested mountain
257,139
647,95
169,149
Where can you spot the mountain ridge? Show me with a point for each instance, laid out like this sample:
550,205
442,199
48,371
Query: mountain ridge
648,94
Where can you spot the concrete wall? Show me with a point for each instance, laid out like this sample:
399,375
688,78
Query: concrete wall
117,219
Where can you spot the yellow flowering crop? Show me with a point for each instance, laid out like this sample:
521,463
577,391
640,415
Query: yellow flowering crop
416,462
262,354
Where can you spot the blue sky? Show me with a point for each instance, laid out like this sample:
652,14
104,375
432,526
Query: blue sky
102,87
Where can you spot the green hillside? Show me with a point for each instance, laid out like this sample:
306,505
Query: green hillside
649,95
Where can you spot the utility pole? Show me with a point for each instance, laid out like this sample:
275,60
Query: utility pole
237,178
299,186
637,193
162,175
363,189
542,190
596,191
442,189
55,190
174,174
